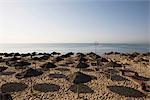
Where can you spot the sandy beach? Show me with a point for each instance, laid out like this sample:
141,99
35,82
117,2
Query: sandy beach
109,82
74,50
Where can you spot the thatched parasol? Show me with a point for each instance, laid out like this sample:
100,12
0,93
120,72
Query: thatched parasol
113,64
81,54
102,59
17,54
45,57
8,54
5,96
83,89
28,74
82,59
33,54
25,55
55,53
22,64
82,65
59,58
14,59
78,78
109,72
3,68
48,65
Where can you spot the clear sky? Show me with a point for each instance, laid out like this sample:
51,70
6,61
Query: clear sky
73,21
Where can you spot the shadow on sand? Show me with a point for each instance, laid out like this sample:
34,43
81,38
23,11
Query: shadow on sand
88,70
57,76
118,78
141,78
126,91
7,73
13,87
82,89
62,69
45,87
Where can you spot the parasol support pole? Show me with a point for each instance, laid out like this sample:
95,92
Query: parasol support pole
80,69
110,75
77,91
31,85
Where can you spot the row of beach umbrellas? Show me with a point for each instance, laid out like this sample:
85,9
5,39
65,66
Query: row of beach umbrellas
77,78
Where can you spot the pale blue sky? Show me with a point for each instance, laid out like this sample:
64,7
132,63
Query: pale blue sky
63,21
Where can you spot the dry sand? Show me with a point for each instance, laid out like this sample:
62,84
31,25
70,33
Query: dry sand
94,90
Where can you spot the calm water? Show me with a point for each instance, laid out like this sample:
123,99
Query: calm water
74,47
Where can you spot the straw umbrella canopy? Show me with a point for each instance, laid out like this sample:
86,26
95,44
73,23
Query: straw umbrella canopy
82,59
22,64
5,96
8,54
78,78
59,58
18,64
3,68
17,54
29,73
70,53
48,65
102,59
33,53
45,57
81,54
55,53
67,55
82,65
36,60
113,64
111,67
84,89
26,55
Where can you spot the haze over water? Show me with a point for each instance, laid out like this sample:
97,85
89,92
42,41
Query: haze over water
74,21
74,47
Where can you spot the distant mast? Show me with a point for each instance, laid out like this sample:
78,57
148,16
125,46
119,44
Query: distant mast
96,44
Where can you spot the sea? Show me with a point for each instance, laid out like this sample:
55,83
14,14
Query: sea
99,48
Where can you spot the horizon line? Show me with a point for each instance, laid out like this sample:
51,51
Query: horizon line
76,43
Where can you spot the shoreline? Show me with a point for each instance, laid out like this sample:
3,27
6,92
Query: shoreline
75,47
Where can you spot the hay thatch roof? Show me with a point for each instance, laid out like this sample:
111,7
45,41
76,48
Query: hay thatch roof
3,68
48,65
5,96
82,65
29,73
78,78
